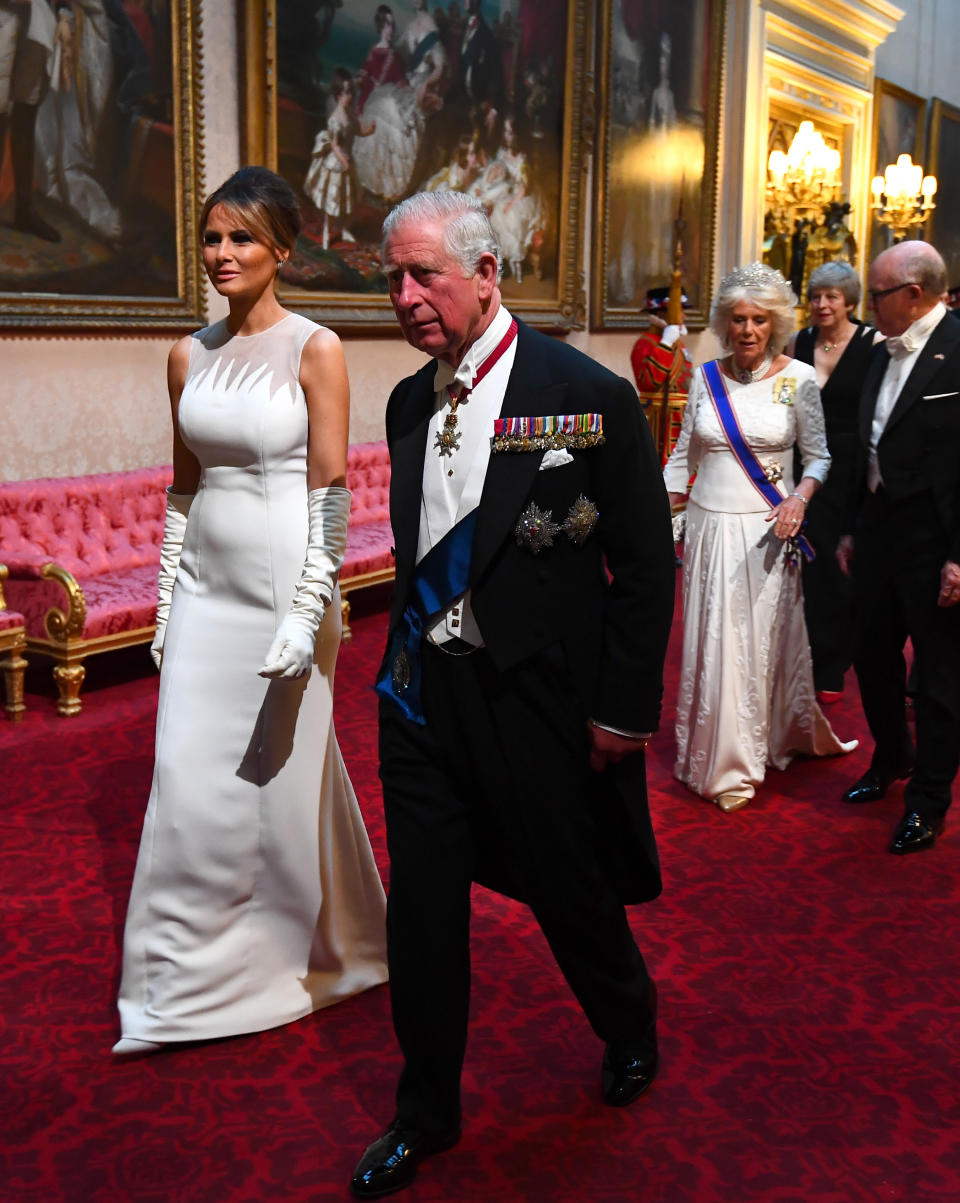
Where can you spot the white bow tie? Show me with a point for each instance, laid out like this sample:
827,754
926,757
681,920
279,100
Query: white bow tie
902,345
446,377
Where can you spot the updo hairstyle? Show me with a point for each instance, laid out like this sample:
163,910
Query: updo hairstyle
263,203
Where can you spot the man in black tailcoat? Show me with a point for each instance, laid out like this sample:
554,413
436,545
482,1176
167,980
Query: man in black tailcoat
905,550
523,674
480,75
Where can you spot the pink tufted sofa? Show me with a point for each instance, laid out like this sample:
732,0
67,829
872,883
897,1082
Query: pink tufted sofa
369,558
82,555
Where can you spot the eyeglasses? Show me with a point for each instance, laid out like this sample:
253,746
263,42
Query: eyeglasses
877,294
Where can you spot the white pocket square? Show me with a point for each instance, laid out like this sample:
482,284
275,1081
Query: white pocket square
938,396
555,459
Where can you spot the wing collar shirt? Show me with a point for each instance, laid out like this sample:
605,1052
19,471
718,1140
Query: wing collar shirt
904,350
452,484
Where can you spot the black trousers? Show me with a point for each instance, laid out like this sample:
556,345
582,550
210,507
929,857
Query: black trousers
497,778
827,595
899,553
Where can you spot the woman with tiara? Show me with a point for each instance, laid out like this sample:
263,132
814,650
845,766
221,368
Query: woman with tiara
746,697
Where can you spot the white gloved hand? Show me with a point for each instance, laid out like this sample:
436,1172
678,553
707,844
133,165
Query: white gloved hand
671,334
292,651
174,528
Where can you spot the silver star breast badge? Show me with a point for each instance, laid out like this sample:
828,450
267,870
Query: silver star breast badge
535,529
581,519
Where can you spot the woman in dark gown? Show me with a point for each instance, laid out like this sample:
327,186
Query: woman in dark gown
838,346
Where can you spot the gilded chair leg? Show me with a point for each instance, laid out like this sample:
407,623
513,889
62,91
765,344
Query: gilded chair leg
69,678
346,633
13,668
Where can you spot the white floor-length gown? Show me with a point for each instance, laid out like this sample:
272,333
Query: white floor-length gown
256,898
746,697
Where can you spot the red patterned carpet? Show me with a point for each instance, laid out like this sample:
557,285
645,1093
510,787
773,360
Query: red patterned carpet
809,995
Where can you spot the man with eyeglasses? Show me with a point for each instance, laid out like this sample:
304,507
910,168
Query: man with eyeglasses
904,554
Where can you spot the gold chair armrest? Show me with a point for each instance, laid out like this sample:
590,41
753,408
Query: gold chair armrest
62,626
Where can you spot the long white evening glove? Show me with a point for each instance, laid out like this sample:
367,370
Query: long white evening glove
174,528
291,653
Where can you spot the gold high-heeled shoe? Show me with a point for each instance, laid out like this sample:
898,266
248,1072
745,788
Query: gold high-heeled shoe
731,802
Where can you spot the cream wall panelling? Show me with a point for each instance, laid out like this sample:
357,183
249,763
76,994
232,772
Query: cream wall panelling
816,58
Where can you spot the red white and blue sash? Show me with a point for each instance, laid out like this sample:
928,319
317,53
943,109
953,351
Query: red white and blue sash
751,466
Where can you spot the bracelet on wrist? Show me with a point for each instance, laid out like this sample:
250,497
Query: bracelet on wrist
800,497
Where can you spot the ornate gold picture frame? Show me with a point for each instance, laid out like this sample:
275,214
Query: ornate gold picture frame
899,127
99,171
942,227
656,161
495,110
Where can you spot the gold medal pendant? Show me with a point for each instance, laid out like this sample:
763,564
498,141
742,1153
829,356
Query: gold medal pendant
447,441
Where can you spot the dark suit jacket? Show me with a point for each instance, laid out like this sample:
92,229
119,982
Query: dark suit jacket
612,626
481,69
919,450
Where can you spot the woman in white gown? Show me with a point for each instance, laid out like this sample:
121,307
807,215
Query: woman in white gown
256,899
398,109
515,205
746,697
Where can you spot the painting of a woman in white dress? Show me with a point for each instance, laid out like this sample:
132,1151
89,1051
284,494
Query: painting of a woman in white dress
386,162
514,202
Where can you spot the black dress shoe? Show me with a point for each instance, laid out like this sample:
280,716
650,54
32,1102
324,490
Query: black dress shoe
630,1066
874,784
626,1077
390,1163
914,833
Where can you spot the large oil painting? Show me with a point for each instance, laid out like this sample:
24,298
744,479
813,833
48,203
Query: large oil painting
660,64
98,163
943,155
361,104
899,119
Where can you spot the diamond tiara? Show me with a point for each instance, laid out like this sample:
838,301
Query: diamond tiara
752,274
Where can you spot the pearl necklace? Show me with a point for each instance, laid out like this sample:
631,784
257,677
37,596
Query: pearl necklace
745,376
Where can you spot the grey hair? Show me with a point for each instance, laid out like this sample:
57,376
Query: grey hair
837,275
762,286
467,232
922,264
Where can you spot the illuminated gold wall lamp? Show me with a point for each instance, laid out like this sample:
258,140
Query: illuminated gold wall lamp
903,196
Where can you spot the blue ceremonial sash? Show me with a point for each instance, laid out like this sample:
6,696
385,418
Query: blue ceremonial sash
440,576
423,48
717,389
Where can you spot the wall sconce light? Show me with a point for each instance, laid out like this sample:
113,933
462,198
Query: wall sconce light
903,196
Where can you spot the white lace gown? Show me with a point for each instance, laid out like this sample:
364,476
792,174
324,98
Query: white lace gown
746,698
256,899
